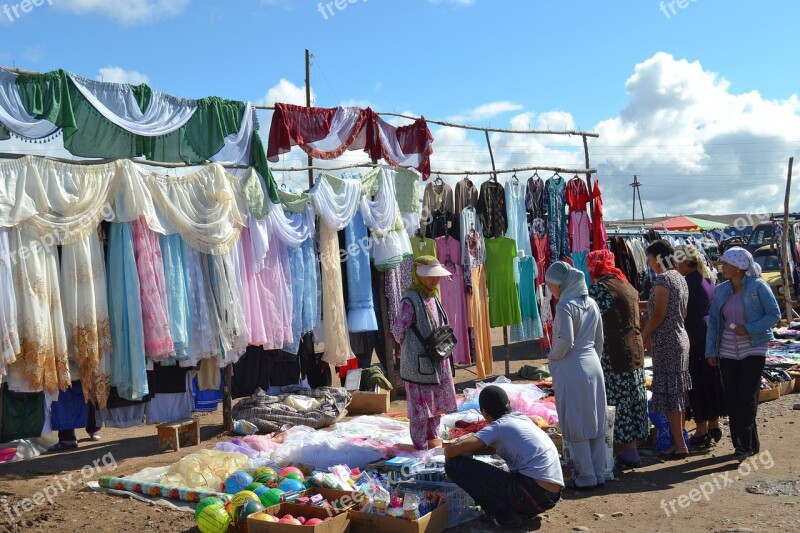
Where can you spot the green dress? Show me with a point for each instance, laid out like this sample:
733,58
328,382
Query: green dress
504,307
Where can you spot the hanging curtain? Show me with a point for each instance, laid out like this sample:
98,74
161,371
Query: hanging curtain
119,105
327,133
13,115
293,229
9,334
213,131
203,207
360,308
379,214
304,268
230,311
21,192
86,321
336,200
203,323
334,320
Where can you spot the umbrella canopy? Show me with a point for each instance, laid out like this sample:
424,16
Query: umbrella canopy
682,223
677,224
707,224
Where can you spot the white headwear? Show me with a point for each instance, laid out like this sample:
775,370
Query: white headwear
743,260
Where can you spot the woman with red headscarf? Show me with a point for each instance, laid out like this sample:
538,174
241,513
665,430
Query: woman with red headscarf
623,354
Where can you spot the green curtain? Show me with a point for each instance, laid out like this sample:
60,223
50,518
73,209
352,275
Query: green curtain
87,133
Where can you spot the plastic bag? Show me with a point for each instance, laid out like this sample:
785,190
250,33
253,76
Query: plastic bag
321,450
205,469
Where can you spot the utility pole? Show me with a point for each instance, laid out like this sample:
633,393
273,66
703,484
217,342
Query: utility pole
784,253
308,104
636,193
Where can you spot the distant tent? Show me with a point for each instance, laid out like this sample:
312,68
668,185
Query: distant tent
682,223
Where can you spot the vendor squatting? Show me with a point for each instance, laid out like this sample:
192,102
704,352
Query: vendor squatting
26,6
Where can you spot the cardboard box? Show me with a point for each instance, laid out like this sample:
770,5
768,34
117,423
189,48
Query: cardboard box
769,394
786,387
369,403
433,522
797,384
339,523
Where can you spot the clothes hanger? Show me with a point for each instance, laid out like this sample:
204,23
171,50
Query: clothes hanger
515,179
449,262
438,180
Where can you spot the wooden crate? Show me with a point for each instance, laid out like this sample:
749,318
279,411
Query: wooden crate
173,435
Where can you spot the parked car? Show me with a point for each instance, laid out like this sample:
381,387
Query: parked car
762,236
770,263
730,243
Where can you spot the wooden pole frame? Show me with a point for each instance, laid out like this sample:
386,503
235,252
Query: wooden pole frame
785,279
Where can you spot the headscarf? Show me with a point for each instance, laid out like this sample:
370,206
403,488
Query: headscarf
743,260
601,263
571,280
692,254
418,285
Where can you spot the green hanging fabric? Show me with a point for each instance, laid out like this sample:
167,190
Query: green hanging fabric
295,202
258,160
87,133
4,133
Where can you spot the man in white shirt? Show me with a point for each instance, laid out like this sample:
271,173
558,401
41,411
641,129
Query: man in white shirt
534,481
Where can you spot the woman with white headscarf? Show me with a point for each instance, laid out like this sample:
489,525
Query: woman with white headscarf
739,330
577,374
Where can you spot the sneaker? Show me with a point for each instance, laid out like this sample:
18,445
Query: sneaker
95,436
740,455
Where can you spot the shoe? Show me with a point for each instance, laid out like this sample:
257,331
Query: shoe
574,486
675,453
702,441
512,521
628,464
95,436
740,455
716,434
61,446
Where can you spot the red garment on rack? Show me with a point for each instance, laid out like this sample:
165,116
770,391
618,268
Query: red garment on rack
349,129
541,254
599,235
577,194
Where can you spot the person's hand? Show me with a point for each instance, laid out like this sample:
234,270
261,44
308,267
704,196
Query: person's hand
712,361
740,331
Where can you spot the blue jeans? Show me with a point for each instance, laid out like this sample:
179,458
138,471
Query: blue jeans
499,492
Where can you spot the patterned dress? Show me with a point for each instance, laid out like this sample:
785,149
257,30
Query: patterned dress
670,343
625,390
555,199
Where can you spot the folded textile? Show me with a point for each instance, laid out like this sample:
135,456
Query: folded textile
270,413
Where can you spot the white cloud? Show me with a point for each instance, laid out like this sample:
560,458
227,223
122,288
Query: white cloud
120,75
487,111
286,92
127,12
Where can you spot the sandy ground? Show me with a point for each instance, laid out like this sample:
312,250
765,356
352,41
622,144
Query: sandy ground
656,497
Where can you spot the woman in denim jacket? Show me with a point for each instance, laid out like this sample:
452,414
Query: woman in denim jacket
739,330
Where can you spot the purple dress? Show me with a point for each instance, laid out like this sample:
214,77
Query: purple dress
454,296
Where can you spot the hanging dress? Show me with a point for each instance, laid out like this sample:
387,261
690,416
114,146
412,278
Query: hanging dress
128,366
555,200
158,343
504,307
492,209
531,326
473,259
360,308
517,217
177,298
453,296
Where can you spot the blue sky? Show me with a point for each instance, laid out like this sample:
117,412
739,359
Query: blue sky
728,67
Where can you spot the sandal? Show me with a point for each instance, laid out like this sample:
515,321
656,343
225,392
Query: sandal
61,446
701,441
716,434
675,453
574,486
